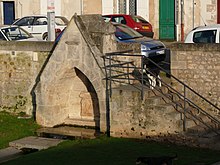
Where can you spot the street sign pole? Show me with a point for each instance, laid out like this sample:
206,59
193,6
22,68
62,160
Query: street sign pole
51,20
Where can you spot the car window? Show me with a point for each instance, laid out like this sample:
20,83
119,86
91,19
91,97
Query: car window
119,19
40,21
106,18
139,19
15,33
206,36
126,33
25,21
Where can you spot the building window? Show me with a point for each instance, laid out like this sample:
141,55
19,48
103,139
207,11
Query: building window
122,6
133,7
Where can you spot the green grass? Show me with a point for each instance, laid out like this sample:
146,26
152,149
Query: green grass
114,151
12,128
101,151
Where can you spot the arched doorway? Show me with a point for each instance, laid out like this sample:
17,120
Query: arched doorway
85,109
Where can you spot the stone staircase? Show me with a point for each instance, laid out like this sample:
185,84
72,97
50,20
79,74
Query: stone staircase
200,130
168,105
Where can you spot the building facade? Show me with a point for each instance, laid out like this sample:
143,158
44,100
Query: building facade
13,9
171,19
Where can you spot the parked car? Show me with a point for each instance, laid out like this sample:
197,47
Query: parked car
58,37
15,33
133,21
37,25
151,48
204,34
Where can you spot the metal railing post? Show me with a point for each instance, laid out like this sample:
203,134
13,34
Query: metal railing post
107,101
107,110
142,77
184,106
110,75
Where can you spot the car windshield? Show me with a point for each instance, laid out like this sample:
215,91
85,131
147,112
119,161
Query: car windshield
126,33
15,33
24,21
138,19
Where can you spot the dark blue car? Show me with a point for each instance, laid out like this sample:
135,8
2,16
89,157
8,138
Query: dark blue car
151,48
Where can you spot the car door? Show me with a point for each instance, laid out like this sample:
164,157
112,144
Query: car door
39,29
26,23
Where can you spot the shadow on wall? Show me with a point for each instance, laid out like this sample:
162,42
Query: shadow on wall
37,80
94,97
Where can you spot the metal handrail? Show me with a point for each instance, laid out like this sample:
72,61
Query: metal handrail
110,78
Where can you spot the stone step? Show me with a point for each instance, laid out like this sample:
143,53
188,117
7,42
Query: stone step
9,154
174,115
166,98
33,142
165,108
164,89
196,118
149,93
190,123
195,130
161,99
201,129
80,122
154,100
204,118
67,132
180,103
206,139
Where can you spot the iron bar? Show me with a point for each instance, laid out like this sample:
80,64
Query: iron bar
142,78
184,119
107,103
110,74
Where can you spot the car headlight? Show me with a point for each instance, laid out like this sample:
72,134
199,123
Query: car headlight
144,48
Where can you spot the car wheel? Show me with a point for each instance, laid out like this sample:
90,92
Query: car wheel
45,37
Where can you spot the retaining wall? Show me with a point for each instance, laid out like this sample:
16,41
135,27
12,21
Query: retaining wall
198,65
21,63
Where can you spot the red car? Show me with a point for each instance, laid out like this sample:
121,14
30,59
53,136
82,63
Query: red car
134,21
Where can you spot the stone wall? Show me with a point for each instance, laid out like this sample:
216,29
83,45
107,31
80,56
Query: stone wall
68,87
198,66
133,117
20,65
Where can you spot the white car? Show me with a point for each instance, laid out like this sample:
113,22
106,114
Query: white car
37,25
15,33
204,34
